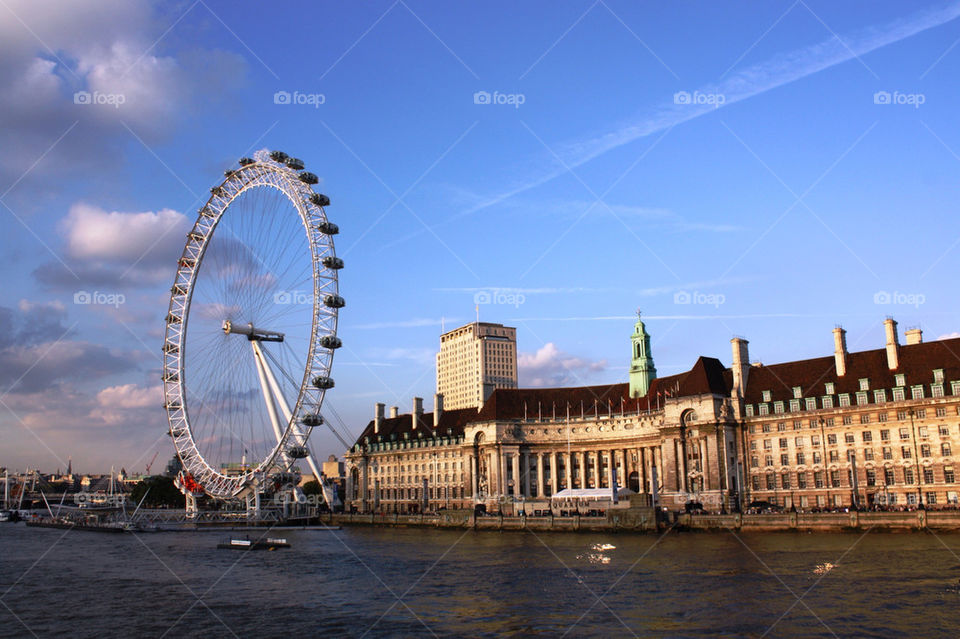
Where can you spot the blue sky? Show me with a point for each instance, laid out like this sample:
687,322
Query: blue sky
764,169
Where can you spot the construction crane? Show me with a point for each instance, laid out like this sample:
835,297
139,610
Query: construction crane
151,461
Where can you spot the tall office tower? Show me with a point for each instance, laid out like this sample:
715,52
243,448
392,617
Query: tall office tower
473,361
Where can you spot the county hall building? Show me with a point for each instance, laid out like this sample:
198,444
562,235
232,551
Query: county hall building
870,428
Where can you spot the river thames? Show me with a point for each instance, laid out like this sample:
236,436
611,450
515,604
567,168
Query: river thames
424,582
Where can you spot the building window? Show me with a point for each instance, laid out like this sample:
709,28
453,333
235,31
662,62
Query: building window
865,419
756,482
830,422
879,396
916,392
871,477
827,401
783,442
768,460
889,477
816,457
941,411
921,413
925,450
781,427
885,435
866,436
887,452
764,409
797,424
898,395
923,431
844,400
750,412
828,388
868,454
908,475
835,478
818,478
928,475
849,438
784,459
881,417
798,441
905,452
931,498
794,405
945,449
938,375
864,384
955,388
778,408
800,459
811,403
785,481
814,440
904,433
797,393
771,481
832,439
847,420
801,480
912,498
767,444
861,399
766,395
948,475
753,446
754,462
900,379
936,390
834,457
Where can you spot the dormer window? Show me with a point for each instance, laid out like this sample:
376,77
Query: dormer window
864,384
900,379
845,399
938,375
766,396
797,392
829,388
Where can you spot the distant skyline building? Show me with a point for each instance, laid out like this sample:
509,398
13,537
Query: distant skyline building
474,360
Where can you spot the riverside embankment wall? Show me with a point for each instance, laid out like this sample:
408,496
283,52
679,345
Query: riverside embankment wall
642,520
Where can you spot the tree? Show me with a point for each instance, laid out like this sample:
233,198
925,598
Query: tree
312,487
162,492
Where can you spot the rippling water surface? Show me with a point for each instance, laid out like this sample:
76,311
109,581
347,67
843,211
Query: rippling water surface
425,582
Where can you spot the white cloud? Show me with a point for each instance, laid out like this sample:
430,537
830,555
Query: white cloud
550,367
49,52
953,335
98,235
119,404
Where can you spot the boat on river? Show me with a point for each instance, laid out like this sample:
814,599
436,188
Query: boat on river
269,543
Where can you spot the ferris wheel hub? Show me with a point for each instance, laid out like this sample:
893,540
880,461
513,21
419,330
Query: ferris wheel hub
253,333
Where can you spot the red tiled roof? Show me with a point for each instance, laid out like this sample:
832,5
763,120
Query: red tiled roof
916,363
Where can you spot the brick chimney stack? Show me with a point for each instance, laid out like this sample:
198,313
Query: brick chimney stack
840,350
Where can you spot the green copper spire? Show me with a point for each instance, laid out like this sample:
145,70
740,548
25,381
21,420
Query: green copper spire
642,371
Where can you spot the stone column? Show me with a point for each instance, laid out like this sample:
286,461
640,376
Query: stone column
540,491
474,476
583,469
515,459
553,473
502,465
568,469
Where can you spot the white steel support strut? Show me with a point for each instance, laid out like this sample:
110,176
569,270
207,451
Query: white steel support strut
263,368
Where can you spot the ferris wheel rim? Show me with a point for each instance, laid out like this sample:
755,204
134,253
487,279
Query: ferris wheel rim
264,172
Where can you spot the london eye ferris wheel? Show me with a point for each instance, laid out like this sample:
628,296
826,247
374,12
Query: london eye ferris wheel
251,330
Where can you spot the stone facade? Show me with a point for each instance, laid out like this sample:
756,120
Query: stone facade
796,434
